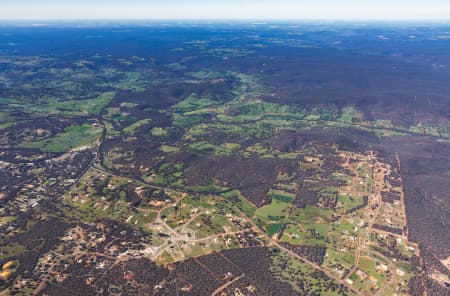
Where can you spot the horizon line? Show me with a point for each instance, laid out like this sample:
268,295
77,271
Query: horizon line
234,19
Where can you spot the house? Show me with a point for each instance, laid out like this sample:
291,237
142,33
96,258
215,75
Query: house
361,274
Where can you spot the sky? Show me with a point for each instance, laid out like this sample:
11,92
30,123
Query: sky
227,9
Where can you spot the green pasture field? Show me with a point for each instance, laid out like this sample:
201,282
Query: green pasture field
73,137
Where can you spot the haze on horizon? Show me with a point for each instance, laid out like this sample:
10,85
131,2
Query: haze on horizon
431,10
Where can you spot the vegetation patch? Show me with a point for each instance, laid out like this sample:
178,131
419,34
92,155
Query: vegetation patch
72,137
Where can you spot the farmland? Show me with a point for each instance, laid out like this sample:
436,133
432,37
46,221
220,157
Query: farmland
224,161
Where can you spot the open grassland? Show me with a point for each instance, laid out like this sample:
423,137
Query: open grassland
73,137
